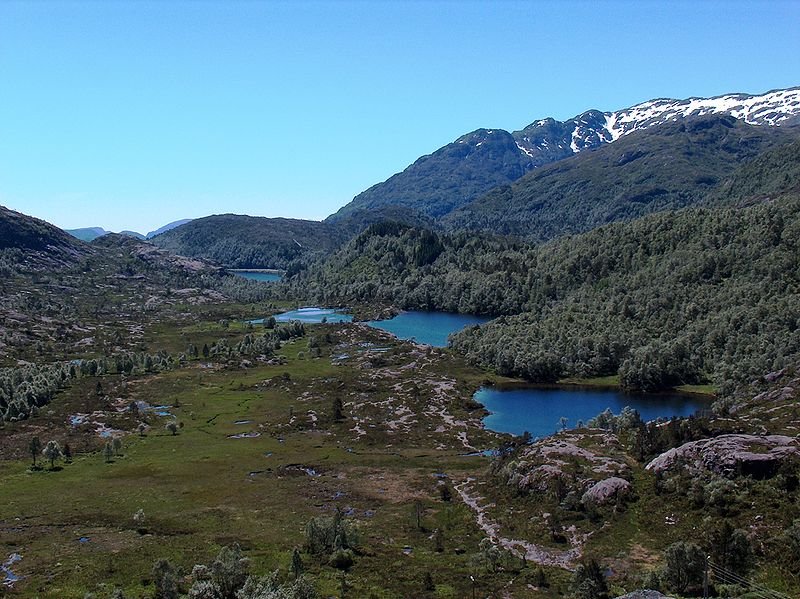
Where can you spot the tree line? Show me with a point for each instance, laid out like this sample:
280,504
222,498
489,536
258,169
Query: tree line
697,295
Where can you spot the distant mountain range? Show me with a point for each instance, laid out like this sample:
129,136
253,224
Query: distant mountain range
477,162
91,233
549,179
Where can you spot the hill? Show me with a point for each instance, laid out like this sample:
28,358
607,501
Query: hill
29,242
688,296
167,227
87,233
773,173
238,241
666,167
470,166
62,296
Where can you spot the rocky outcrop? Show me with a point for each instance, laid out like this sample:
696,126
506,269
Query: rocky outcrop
570,461
730,455
606,490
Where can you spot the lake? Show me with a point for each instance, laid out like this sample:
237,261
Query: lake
430,328
314,315
257,275
538,409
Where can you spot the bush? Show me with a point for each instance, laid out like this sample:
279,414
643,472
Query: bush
685,565
589,581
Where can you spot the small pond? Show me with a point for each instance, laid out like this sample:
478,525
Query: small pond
538,410
314,315
310,316
430,328
258,275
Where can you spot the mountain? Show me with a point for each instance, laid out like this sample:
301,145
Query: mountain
594,128
30,243
87,233
665,167
475,163
167,227
450,177
92,233
239,241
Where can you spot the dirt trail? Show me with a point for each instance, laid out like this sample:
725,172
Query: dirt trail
520,548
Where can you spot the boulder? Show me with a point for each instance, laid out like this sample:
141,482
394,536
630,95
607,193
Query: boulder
730,455
608,489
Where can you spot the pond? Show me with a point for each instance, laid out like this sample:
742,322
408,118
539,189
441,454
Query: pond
314,315
538,410
430,328
258,275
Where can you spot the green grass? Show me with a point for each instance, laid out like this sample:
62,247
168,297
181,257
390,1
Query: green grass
697,389
598,381
201,489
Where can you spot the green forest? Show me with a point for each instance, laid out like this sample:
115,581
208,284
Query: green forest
699,295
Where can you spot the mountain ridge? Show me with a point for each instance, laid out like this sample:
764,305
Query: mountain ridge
669,166
455,174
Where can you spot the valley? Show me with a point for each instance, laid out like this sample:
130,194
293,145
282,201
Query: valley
268,408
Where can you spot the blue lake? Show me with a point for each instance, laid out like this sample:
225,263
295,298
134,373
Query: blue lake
314,315
254,275
430,328
539,409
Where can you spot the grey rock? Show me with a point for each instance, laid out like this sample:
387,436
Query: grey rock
729,455
607,490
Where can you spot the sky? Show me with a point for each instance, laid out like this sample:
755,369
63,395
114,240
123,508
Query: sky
129,115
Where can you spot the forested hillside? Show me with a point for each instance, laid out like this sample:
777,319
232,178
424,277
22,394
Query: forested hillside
667,167
773,173
239,241
701,294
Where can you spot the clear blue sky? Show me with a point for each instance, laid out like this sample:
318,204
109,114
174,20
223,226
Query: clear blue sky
133,114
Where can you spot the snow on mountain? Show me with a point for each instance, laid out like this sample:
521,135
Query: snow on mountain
772,108
593,128
461,171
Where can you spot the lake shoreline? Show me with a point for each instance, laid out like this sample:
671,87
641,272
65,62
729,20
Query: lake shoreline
540,406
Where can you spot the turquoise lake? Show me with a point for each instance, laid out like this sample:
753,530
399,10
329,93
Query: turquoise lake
538,409
267,277
314,315
430,328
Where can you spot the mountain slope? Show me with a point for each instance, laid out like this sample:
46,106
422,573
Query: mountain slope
238,241
594,128
461,171
773,173
451,176
670,166
33,243
167,227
